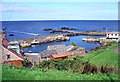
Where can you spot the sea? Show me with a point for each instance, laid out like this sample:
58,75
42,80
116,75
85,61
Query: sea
28,29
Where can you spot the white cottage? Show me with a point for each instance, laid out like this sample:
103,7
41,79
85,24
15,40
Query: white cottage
113,36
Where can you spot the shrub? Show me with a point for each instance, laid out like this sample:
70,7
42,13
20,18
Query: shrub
74,44
27,63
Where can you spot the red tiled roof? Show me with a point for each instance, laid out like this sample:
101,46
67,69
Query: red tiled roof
61,55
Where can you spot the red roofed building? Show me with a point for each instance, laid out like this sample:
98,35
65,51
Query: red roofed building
9,56
60,56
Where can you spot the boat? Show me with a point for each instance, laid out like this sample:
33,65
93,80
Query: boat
25,45
35,42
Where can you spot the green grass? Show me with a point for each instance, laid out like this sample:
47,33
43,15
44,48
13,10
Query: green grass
10,73
101,57
105,56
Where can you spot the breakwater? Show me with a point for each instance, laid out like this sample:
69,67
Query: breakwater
63,37
91,39
85,33
56,37
44,39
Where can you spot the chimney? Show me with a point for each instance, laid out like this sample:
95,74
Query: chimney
3,34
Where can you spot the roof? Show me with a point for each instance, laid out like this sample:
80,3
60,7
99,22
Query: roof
13,42
47,53
71,47
54,47
5,42
113,32
61,55
5,47
13,53
57,48
32,54
34,58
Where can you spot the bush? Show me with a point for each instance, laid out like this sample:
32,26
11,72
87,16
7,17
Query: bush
26,63
74,44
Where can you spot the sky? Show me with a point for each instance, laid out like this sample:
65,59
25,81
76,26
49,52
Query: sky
15,11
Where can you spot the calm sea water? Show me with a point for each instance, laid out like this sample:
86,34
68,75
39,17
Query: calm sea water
37,27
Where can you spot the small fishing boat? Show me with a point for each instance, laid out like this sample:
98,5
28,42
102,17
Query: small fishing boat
35,42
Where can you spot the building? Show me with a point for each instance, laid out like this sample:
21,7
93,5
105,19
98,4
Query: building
10,52
11,57
57,48
113,36
45,55
60,56
53,49
35,58
14,45
78,52
61,52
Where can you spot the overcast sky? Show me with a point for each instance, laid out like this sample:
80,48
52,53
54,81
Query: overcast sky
12,11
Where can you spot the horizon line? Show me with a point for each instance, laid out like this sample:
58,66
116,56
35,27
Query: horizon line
63,20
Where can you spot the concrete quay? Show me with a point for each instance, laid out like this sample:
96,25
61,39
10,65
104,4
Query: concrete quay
44,39
91,39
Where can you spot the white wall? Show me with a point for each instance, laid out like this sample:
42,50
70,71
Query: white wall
110,35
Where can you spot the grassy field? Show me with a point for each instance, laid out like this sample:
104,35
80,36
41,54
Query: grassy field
101,57
10,73
105,56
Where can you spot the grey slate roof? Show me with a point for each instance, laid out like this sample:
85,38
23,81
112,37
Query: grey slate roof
56,49
47,53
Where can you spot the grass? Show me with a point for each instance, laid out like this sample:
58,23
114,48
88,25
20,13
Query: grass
11,73
105,56
101,57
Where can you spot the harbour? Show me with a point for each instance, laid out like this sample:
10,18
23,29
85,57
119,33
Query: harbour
56,37
38,41
81,28
59,40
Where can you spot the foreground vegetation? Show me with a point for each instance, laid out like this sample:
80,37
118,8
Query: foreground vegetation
10,73
69,69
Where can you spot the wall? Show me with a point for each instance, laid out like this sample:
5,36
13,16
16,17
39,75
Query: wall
112,35
12,55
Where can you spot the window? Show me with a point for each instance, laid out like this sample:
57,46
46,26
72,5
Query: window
115,34
8,56
112,34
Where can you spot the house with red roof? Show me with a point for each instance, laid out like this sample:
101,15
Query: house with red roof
61,56
10,52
